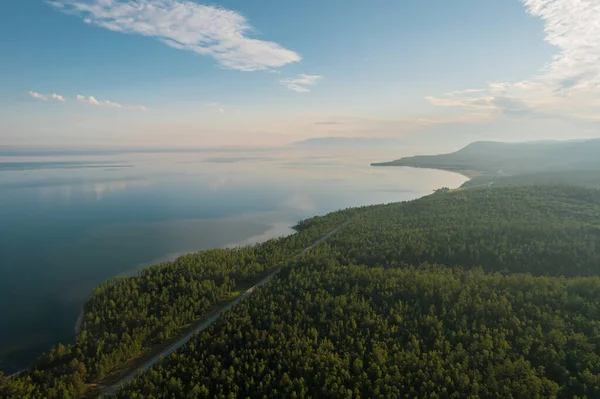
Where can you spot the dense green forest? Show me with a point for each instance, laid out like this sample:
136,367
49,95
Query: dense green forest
342,331
583,178
541,230
489,292
481,293
127,315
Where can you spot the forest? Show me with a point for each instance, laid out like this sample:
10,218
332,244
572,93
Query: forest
540,230
580,177
345,331
482,293
127,315
487,292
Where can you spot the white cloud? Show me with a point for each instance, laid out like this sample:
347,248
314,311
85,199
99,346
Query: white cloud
572,26
452,100
184,25
461,92
109,104
44,97
568,86
38,96
56,4
300,82
93,101
58,97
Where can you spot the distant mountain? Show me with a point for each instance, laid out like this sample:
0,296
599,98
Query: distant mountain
501,159
348,142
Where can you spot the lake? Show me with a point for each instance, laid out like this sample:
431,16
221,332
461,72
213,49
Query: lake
69,222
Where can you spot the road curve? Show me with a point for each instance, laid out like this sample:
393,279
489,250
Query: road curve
208,322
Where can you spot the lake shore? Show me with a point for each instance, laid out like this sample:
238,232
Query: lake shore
468,173
124,228
275,230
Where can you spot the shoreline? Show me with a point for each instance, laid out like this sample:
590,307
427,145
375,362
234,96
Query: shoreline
77,326
468,173
271,233
79,321
275,227
201,325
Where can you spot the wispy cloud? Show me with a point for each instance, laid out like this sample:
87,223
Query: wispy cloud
89,100
216,106
109,104
566,87
58,97
572,26
493,102
44,97
38,96
362,126
112,105
479,103
462,92
301,83
185,25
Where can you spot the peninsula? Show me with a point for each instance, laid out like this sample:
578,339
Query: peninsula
540,162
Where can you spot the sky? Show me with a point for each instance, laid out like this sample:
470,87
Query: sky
183,73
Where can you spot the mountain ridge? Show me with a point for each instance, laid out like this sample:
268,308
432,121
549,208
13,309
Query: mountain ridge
490,158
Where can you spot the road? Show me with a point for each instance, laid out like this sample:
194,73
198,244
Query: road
208,322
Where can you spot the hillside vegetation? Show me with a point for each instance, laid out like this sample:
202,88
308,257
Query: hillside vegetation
581,178
481,293
553,162
478,293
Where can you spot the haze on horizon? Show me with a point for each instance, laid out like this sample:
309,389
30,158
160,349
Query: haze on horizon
176,73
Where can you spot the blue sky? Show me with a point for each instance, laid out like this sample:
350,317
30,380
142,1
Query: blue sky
180,72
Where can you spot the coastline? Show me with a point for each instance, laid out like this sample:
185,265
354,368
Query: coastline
79,321
275,228
274,231
468,173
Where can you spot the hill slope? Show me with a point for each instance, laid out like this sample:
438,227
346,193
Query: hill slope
498,159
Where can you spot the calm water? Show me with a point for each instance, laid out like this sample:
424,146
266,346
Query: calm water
68,223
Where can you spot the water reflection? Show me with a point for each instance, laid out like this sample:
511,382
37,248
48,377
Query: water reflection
101,188
64,190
